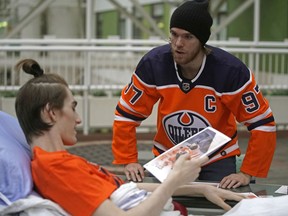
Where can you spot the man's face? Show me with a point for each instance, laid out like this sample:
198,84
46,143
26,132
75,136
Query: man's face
67,120
185,46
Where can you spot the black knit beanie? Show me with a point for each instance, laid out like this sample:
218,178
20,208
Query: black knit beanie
194,17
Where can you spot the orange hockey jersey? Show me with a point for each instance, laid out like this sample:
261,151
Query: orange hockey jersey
223,93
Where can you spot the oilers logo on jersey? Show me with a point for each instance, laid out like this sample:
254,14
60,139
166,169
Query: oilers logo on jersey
182,124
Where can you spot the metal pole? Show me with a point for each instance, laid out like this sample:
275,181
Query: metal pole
256,20
87,75
256,35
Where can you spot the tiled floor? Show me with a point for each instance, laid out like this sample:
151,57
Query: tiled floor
98,149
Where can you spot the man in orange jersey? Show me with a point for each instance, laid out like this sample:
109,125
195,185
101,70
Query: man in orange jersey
196,85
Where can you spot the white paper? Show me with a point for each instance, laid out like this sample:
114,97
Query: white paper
282,190
205,142
214,184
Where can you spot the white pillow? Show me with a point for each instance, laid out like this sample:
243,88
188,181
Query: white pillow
15,157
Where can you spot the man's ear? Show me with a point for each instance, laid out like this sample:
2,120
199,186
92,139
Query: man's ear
48,114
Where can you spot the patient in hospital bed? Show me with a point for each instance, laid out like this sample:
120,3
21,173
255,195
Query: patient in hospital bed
70,185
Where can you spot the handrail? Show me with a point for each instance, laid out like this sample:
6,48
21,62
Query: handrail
128,48
140,42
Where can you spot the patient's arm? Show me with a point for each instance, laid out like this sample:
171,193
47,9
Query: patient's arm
184,171
151,206
181,174
213,194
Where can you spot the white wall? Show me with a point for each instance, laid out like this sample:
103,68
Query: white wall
64,19
33,28
101,111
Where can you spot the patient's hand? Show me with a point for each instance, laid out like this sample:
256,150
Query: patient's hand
218,196
187,169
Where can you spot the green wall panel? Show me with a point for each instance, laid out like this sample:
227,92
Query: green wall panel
273,21
110,23
242,26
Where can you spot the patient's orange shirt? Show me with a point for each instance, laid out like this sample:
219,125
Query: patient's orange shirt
77,185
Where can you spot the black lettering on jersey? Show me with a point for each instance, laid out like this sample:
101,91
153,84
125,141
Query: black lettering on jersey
257,89
182,124
179,134
210,103
250,102
137,92
128,86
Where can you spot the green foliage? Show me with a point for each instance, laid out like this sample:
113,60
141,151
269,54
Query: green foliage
117,93
8,94
275,92
98,93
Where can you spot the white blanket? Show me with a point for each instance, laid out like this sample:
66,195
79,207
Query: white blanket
33,205
129,195
272,206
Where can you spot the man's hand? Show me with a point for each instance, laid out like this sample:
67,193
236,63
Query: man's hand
235,180
134,172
